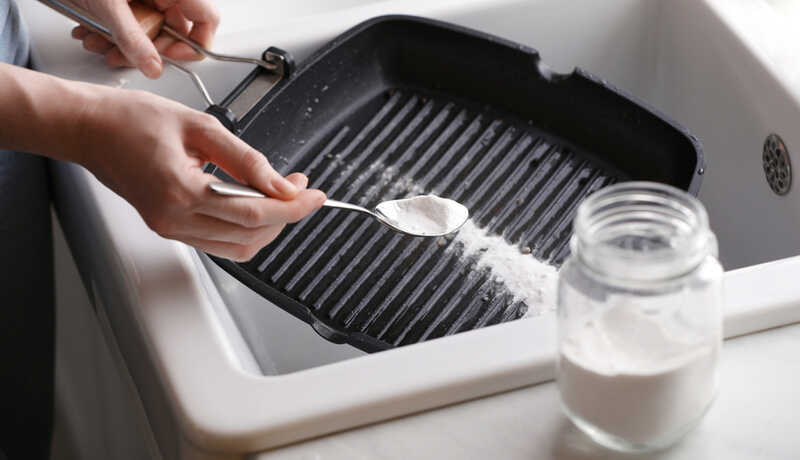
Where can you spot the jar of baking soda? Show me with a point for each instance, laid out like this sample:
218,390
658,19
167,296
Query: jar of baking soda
639,316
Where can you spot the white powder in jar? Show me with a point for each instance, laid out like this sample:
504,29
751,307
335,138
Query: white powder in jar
424,215
627,376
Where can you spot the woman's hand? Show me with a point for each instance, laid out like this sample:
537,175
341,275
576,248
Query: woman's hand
151,151
196,19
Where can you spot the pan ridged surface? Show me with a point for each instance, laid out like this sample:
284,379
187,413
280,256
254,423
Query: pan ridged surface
357,276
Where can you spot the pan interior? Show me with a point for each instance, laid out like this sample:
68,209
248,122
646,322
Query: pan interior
403,106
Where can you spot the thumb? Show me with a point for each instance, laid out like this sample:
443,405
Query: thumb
132,41
242,162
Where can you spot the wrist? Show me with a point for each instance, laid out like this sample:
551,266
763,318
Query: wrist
80,122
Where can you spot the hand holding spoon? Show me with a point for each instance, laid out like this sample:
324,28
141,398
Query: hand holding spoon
424,215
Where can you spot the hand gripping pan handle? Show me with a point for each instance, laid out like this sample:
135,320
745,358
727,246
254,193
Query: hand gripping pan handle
152,22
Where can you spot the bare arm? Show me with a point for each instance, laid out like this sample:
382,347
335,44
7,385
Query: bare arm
150,150
42,114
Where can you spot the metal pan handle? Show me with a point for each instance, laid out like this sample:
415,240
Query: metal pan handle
149,19
152,22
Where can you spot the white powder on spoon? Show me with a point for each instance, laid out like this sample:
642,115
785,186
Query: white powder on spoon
426,215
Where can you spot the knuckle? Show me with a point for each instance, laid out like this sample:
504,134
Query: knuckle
205,126
252,216
178,198
207,121
254,161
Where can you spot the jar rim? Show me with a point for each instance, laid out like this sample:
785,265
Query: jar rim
642,230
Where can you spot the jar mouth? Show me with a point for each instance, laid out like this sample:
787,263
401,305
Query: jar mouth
642,230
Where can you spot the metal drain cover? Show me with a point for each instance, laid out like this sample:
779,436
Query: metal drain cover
777,166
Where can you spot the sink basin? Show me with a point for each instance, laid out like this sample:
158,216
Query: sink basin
231,373
279,342
635,45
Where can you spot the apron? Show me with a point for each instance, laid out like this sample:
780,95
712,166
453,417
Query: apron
26,283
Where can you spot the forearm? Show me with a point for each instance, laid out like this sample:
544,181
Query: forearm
43,114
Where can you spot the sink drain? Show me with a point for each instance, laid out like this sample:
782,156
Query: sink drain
777,166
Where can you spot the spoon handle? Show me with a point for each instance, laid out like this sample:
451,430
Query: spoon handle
231,189
348,206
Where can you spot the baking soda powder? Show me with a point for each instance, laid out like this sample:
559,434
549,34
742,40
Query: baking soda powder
529,280
424,215
611,387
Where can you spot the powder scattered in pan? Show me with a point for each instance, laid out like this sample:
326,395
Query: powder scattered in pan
528,280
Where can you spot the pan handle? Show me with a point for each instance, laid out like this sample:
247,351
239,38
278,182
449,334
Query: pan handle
152,22
149,19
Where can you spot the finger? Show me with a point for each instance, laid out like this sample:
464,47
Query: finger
238,159
300,180
96,43
206,227
233,251
115,58
205,19
163,42
163,5
79,32
176,49
132,41
259,212
175,18
182,52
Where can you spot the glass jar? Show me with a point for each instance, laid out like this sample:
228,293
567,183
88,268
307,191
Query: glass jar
639,316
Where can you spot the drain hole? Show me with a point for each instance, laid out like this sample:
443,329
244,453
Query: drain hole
777,165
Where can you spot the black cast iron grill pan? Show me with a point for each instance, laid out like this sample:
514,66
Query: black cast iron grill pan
403,105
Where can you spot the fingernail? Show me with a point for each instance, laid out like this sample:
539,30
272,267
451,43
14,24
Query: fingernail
152,68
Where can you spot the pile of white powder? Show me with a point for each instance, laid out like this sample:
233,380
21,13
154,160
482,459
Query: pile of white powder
527,279
424,215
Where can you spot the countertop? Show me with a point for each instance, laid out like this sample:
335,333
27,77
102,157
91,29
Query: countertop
753,417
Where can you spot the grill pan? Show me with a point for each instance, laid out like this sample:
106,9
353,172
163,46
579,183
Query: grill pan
403,105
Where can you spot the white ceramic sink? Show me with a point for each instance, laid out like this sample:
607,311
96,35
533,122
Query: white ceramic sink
651,51
229,372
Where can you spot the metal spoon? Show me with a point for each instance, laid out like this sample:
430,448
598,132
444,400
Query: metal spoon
382,212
